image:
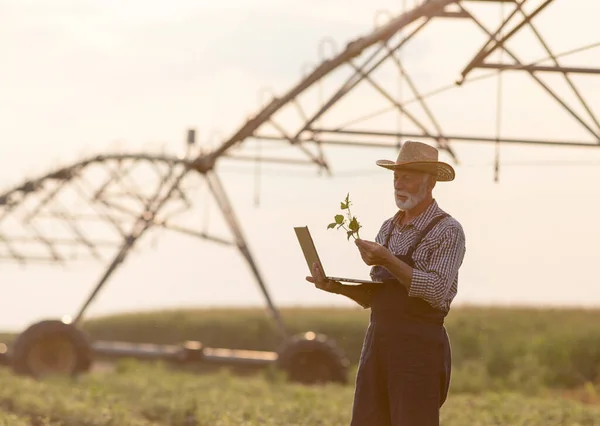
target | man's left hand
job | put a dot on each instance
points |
(373, 253)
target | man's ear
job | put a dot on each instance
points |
(432, 182)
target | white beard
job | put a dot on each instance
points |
(411, 199)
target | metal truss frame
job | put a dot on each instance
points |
(32, 202)
(37, 199)
(421, 15)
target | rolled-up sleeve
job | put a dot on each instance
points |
(433, 281)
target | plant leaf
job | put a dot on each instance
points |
(340, 220)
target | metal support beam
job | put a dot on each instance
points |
(262, 159)
(450, 14)
(460, 138)
(218, 191)
(560, 69)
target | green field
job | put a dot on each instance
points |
(510, 367)
(153, 395)
(495, 348)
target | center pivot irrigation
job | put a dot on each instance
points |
(366, 94)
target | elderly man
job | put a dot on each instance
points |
(404, 372)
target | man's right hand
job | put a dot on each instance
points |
(321, 282)
(361, 293)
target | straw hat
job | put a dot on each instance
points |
(421, 157)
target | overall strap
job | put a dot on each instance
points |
(392, 226)
(425, 231)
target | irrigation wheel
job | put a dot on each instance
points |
(311, 358)
(51, 347)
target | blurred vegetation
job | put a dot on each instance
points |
(493, 348)
(153, 394)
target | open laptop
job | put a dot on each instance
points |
(310, 254)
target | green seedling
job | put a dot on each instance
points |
(340, 221)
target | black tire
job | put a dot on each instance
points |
(311, 358)
(51, 347)
(3, 354)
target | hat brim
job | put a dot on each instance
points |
(443, 172)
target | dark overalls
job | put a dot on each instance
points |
(404, 371)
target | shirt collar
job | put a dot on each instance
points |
(421, 221)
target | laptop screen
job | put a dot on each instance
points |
(308, 247)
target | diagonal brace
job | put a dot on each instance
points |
(224, 204)
(493, 43)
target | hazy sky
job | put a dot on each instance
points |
(84, 77)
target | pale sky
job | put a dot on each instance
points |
(78, 78)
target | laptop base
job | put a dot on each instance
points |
(353, 280)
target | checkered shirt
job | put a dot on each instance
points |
(437, 258)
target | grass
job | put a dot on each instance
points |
(493, 348)
(8, 419)
(152, 394)
(510, 367)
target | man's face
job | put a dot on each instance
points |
(411, 187)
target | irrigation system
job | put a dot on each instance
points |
(103, 210)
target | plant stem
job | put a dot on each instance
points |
(346, 229)
(350, 219)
